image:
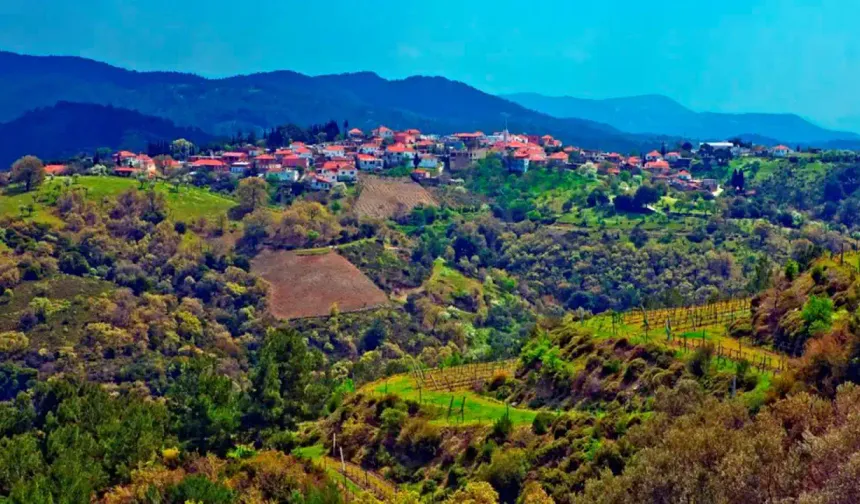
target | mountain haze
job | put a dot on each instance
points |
(656, 114)
(258, 101)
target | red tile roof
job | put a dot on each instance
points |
(55, 169)
(399, 148)
(657, 165)
(215, 163)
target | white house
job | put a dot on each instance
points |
(369, 149)
(320, 184)
(653, 156)
(428, 162)
(369, 163)
(673, 157)
(284, 174)
(780, 151)
(383, 132)
(334, 151)
(347, 173)
(399, 153)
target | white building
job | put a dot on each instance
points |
(369, 163)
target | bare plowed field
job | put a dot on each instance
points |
(382, 198)
(308, 285)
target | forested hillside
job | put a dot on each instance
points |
(561, 335)
(67, 129)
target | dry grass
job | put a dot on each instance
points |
(303, 285)
(382, 198)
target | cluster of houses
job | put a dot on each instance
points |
(429, 158)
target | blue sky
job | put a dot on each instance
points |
(799, 56)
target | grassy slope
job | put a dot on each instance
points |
(478, 409)
(187, 203)
(446, 281)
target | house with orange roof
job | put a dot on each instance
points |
(414, 132)
(319, 183)
(424, 145)
(634, 162)
(294, 161)
(658, 166)
(673, 157)
(404, 138)
(369, 149)
(471, 140)
(210, 164)
(653, 156)
(384, 133)
(283, 174)
(125, 171)
(397, 154)
(339, 171)
(355, 134)
(558, 159)
(265, 162)
(420, 174)
(428, 162)
(368, 162)
(780, 151)
(55, 169)
(234, 157)
(519, 161)
(334, 151)
(125, 158)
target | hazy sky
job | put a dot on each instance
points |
(798, 56)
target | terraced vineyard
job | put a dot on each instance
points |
(465, 377)
(689, 318)
(690, 327)
(355, 478)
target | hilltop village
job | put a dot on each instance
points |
(430, 158)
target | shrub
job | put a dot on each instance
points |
(634, 369)
(542, 422)
(13, 341)
(197, 488)
(420, 439)
(506, 473)
(502, 427)
(817, 274)
(818, 314)
(393, 420)
(700, 363)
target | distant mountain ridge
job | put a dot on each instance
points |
(257, 101)
(657, 114)
(67, 129)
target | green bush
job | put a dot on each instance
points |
(700, 363)
(506, 473)
(197, 488)
(502, 428)
(542, 422)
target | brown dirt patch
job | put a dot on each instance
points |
(308, 285)
(382, 198)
